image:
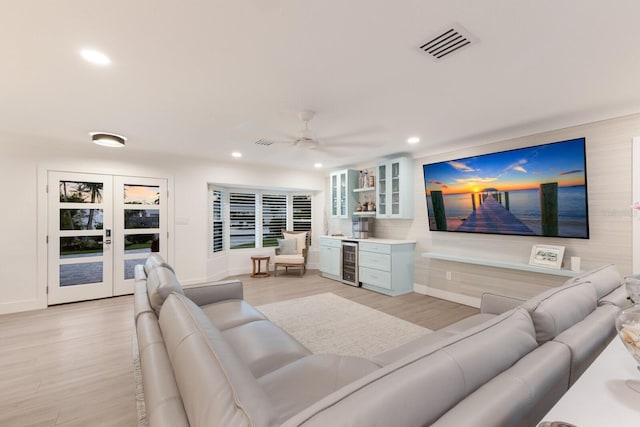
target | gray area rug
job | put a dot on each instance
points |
(327, 323)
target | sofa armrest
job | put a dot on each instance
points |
(211, 292)
(498, 304)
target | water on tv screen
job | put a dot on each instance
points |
(536, 191)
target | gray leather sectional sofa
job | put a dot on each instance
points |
(209, 358)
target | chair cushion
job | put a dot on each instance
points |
(301, 239)
(288, 259)
(161, 282)
(288, 246)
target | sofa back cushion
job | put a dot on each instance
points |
(161, 282)
(453, 368)
(216, 387)
(155, 260)
(604, 279)
(557, 309)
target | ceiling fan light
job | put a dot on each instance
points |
(108, 139)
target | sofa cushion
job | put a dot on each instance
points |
(264, 347)
(231, 313)
(518, 397)
(155, 260)
(215, 385)
(587, 338)
(557, 309)
(301, 383)
(161, 282)
(396, 394)
(604, 279)
(397, 353)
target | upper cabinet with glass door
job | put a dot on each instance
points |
(395, 189)
(343, 200)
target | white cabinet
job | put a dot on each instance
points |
(343, 200)
(395, 189)
(386, 268)
(330, 253)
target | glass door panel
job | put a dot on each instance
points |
(79, 253)
(382, 190)
(140, 226)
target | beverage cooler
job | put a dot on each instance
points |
(349, 266)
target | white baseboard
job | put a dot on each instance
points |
(446, 295)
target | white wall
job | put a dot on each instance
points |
(23, 166)
(609, 182)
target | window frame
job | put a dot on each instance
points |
(259, 197)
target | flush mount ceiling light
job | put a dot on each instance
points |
(107, 139)
(236, 154)
(95, 57)
(413, 140)
(317, 165)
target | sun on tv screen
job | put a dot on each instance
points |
(533, 191)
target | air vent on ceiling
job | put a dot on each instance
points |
(448, 42)
(263, 142)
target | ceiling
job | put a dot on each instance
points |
(208, 77)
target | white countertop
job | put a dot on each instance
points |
(600, 396)
(371, 240)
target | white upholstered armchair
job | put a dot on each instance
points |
(292, 251)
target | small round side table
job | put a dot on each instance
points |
(256, 261)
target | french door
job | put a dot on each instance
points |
(99, 228)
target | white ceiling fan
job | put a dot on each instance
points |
(305, 138)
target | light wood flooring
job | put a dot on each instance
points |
(71, 365)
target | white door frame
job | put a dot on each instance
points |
(635, 191)
(42, 217)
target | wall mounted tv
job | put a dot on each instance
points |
(535, 191)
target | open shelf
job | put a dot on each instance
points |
(365, 213)
(361, 190)
(500, 264)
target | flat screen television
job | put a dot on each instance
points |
(535, 191)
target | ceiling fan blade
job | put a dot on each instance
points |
(268, 142)
(371, 130)
(356, 144)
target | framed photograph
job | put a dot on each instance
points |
(547, 256)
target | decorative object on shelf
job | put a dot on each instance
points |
(575, 263)
(628, 327)
(372, 181)
(547, 256)
(632, 284)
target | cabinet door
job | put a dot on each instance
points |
(395, 188)
(330, 260)
(343, 194)
(334, 195)
(382, 191)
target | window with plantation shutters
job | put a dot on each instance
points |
(301, 205)
(218, 221)
(274, 218)
(242, 220)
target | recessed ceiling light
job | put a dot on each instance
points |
(317, 165)
(95, 57)
(236, 154)
(413, 140)
(108, 139)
